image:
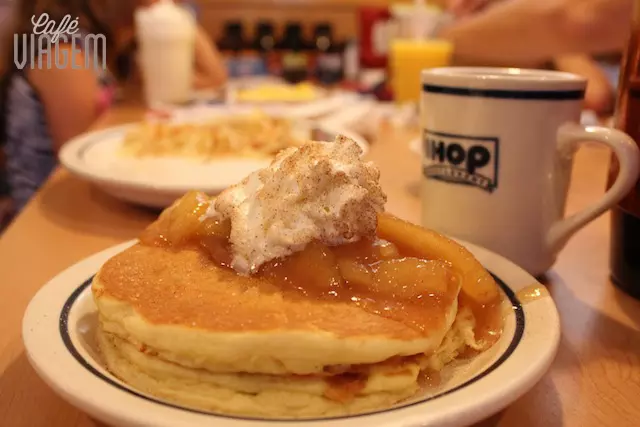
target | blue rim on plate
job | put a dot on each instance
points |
(66, 338)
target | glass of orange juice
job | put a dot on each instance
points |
(408, 57)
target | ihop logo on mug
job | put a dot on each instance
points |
(461, 159)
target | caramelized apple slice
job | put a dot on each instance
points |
(313, 270)
(215, 227)
(412, 277)
(477, 283)
(385, 249)
(362, 251)
(354, 273)
(213, 234)
(218, 249)
(155, 233)
(179, 222)
(185, 217)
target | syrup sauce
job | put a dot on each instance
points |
(532, 293)
(384, 278)
(377, 275)
(344, 387)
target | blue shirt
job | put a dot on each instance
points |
(29, 145)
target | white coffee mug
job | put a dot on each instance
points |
(498, 149)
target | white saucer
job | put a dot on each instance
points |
(59, 330)
(157, 182)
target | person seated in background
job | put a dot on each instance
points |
(600, 93)
(530, 33)
(6, 203)
(44, 107)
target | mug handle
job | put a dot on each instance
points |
(628, 156)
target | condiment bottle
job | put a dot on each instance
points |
(295, 49)
(264, 44)
(231, 45)
(375, 32)
(329, 60)
(625, 216)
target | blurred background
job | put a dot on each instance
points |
(288, 52)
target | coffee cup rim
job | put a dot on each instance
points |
(493, 78)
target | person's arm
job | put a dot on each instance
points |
(524, 32)
(69, 96)
(210, 71)
(462, 8)
(600, 93)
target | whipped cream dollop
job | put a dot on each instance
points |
(318, 191)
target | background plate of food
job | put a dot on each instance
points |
(276, 92)
(302, 100)
(154, 162)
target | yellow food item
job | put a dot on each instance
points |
(477, 283)
(250, 135)
(386, 250)
(411, 277)
(355, 273)
(316, 263)
(279, 93)
(178, 223)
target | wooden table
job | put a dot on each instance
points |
(594, 381)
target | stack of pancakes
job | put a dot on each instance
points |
(177, 326)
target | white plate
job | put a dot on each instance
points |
(59, 329)
(157, 182)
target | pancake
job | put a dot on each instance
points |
(362, 388)
(184, 309)
(255, 394)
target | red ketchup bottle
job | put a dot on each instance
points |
(375, 24)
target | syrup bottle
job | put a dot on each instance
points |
(264, 43)
(295, 58)
(625, 216)
(231, 45)
(329, 67)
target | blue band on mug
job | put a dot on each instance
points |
(540, 95)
